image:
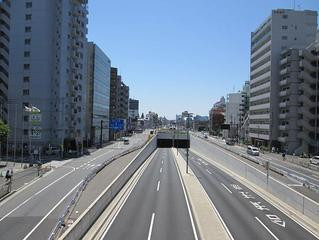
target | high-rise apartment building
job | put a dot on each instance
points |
(48, 71)
(98, 95)
(133, 108)
(282, 30)
(4, 56)
(119, 97)
(298, 100)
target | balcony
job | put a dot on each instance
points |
(282, 139)
(285, 71)
(282, 115)
(283, 104)
(261, 77)
(260, 126)
(284, 61)
(260, 106)
(282, 127)
(259, 136)
(260, 97)
(283, 93)
(283, 82)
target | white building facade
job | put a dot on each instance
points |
(282, 30)
(48, 71)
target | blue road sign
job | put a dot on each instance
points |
(117, 124)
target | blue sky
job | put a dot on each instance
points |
(180, 55)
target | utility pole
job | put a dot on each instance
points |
(187, 149)
(101, 134)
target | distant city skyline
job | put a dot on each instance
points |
(178, 55)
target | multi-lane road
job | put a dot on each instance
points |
(32, 212)
(157, 207)
(246, 215)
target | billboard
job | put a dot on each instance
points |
(117, 124)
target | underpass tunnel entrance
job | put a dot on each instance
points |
(174, 139)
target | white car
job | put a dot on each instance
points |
(314, 160)
(251, 150)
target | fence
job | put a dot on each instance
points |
(83, 223)
(301, 203)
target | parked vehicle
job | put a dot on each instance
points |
(52, 151)
(126, 141)
(314, 160)
(230, 141)
(251, 150)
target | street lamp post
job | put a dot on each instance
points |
(101, 134)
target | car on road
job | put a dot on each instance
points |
(251, 150)
(126, 141)
(314, 160)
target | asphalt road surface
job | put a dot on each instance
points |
(246, 215)
(33, 212)
(156, 208)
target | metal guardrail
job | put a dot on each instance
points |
(68, 209)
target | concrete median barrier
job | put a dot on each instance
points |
(86, 220)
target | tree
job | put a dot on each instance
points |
(142, 116)
(4, 130)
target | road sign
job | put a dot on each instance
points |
(35, 132)
(117, 124)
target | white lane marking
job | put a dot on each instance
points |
(186, 199)
(219, 216)
(226, 187)
(73, 169)
(36, 226)
(162, 162)
(161, 170)
(208, 171)
(151, 227)
(128, 194)
(258, 193)
(158, 185)
(274, 236)
(77, 168)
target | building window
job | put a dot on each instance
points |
(25, 132)
(26, 118)
(25, 92)
(284, 27)
(285, 16)
(26, 54)
(26, 66)
(28, 17)
(28, 4)
(26, 79)
(27, 41)
(27, 29)
(284, 38)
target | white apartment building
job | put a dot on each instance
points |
(285, 28)
(48, 71)
(298, 118)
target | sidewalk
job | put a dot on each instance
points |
(294, 161)
(207, 220)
